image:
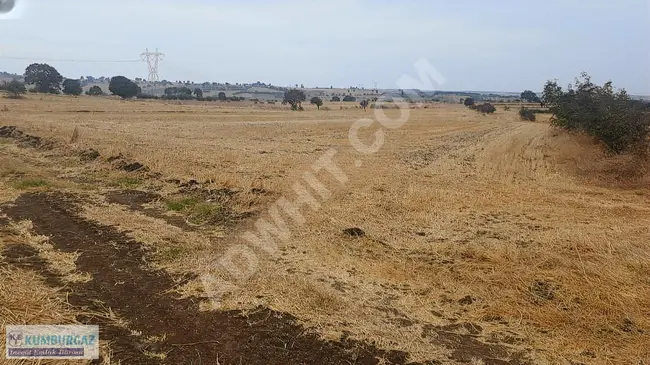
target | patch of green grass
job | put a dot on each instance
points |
(206, 212)
(196, 210)
(126, 182)
(180, 205)
(30, 183)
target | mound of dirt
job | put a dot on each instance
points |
(120, 162)
(24, 140)
(89, 155)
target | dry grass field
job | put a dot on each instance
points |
(487, 240)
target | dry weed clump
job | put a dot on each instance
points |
(580, 155)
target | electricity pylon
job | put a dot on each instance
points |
(152, 59)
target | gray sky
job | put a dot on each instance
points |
(500, 45)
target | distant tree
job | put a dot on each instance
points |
(335, 99)
(364, 104)
(486, 108)
(316, 101)
(302, 86)
(46, 78)
(462, 100)
(123, 87)
(294, 97)
(198, 93)
(95, 91)
(469, 102)
(72, 87)
(349, 98)
(222, 96)
(530, 97)
(15, 89)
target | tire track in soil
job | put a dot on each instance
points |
(122, 282)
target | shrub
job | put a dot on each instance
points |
(15, 89)
(527, 114)
(612, 117)
(364, 104)
(294, 97)
(486, 108)
(147, 96)
(317, 101)
(468, 102)
(95, 91)
(349, 98)
(72, 87)
(335, 99)
(506, 107)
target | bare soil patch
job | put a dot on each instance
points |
(182, 333)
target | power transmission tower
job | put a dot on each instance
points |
(152, 59)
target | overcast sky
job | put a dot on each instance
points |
(499, 45)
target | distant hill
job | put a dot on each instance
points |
(6, 76)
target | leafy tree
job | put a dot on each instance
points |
(72, 87)
(349, 98)
(468, 102)
(612, 117)
(294, 97)
(222, 96)
(530, 97)
(317, 101)
(123, 87)
(15, 89)
(95, 91)
(335, 99)
(364, 104)
(46, 78)
(198, 93)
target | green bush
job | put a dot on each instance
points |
(527, 114)
(612, 117)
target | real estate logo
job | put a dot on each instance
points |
(52, 342)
